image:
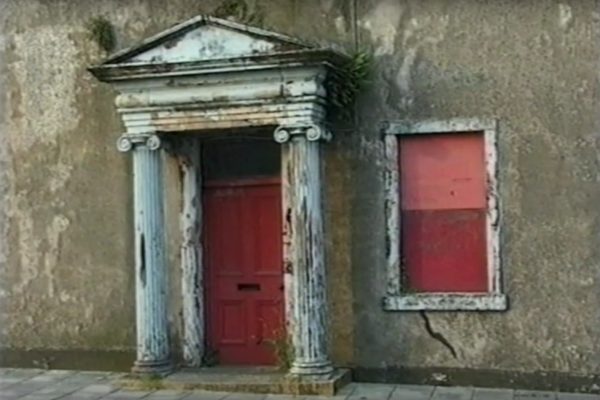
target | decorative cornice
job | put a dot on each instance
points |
(128, 141)
(264, 62)
(312, 133)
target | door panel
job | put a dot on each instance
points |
(243, 256)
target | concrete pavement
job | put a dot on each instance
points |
(34, 384)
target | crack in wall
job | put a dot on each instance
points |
(436, 335)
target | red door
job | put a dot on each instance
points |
(243, 255)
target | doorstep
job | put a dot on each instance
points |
(263, 380)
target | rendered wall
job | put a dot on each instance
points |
(66, 263)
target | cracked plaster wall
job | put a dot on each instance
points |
(66, 259)
(65, 195)
(534, 66)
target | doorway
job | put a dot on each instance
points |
(243, 249)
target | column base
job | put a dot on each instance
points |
(161, 368)
(311, 368)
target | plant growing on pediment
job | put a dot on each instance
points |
(102, 32)
(239, 11)
(344, 87)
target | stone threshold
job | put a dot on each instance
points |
(262, 380)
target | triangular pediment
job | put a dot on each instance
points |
(206, 38)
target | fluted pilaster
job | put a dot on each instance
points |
(153, 350)
(304, 246)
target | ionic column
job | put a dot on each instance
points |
(192, 286)
(150, 263)
(304, 248)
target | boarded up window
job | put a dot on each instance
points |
(443, 212)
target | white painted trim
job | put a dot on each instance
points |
(228, 101)
(452, 125)
(194, 23)
(392, 215)
(396, 299)
(446, 302)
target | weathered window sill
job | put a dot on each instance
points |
(446, 302)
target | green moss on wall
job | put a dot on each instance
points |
(102, 32)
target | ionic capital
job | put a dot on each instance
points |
(128, 141)
(312, 133)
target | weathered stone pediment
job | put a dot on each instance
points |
(208, 74)
(206, 38)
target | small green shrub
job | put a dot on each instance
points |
(283, 349)
(344, 88)
(102, 32)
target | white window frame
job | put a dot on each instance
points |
(398, 299)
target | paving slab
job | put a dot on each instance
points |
(452, 393)
(92, 392)
(577, 396)
(126, 395)
(100, 387)
(245, 396)
(167, 395)
(412, 392)
(6, 381)
(21, 372)
(343, 394)
(534, 395)
(206, 395)
(287, 397)
(51, 376)
(20, 390)
(12, 378)
(50, 386)
(371, 391)
(493, 394)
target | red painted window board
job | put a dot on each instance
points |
(443, 212)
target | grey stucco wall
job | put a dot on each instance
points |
(66, 264)
(534, 66)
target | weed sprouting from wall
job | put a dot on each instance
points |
(344, 88)
(231, 8)
(238, 10)
(102, 32)
(283, 349)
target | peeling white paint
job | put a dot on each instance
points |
(152, 327)
(206, 38)
(192, 284)
(207, 42)
(305, 247)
